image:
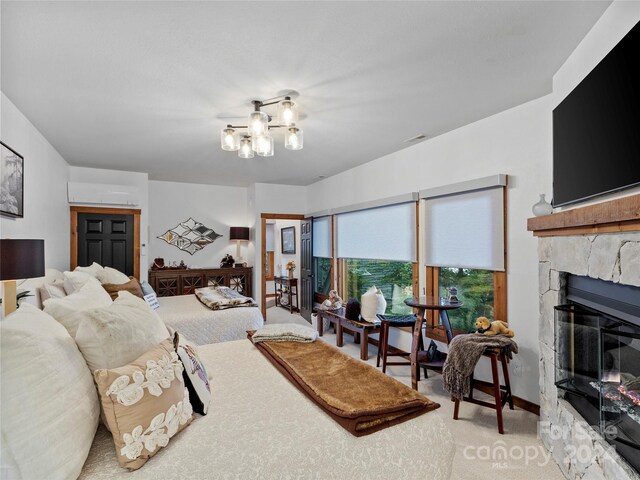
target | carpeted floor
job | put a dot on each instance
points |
(481, 452)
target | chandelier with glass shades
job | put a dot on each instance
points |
(255, 137)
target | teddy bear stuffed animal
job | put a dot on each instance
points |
(497, 327)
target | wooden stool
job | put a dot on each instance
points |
(501, 393)
(387, 321)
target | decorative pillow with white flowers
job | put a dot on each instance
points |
(145, 404)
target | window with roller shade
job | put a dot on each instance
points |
(377, 247)
(465, 230)
(464, 246)
(322, 254)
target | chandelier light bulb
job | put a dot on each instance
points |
(265, 146)
(229, 139)
(293, 139)
(258, 124)
(287, 112)
(245, 150)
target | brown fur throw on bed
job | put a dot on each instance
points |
(360, 398)
(464, 353)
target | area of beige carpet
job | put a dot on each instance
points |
(481, 452)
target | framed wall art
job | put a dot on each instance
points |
(11, 182)
(288, 236)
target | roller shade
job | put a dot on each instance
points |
(383, 233)
(465, 230)
(322, 237)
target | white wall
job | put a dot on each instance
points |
(46, 212)
(118, 177)
(215, 206)
(516, 142)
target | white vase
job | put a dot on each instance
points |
(542, 207)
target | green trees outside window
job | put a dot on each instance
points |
(475, 290)
(322, 275)
(395, 279)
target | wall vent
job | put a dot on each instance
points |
(417, 138)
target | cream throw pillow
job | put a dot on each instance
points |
(95, 270)
(33, 285)
(69, 310)
(371, 303)
(74, 281)
(145, 404)
(111, 275)
(115, 335)
(49, 402)
(52, 290)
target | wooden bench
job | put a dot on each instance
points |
(360, 329)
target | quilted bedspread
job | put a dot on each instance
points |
(260, 426)
(202, 326)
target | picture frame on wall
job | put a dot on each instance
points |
(11, 182)
(288, 236)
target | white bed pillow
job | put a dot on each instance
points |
(95, 270)
(111, 275)
(52, 290)
(74, 281)
(32, 285)
(49, 402)
(69, 310)
(116, 335)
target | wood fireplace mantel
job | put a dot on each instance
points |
(619, 215)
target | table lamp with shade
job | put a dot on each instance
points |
(18, 259)
(239, 234)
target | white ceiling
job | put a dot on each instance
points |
(143, 86)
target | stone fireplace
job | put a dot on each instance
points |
(600, 242)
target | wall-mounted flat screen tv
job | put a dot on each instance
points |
(596, 128)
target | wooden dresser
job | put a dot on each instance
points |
(170, 282)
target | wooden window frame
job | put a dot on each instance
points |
(432, 278)
(342, 279)
(435, 330)
(415, 266)
(499, 287)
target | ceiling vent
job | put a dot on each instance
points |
(417, 138)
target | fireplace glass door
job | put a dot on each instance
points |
(620, 390)
(578, 347)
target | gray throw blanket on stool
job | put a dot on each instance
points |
(464, 353)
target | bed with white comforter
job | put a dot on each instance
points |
(260, 426)
(201, 325)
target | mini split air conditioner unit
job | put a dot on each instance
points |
(100, 193)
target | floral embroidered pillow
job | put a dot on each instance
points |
(195, 375)
(145, 404)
